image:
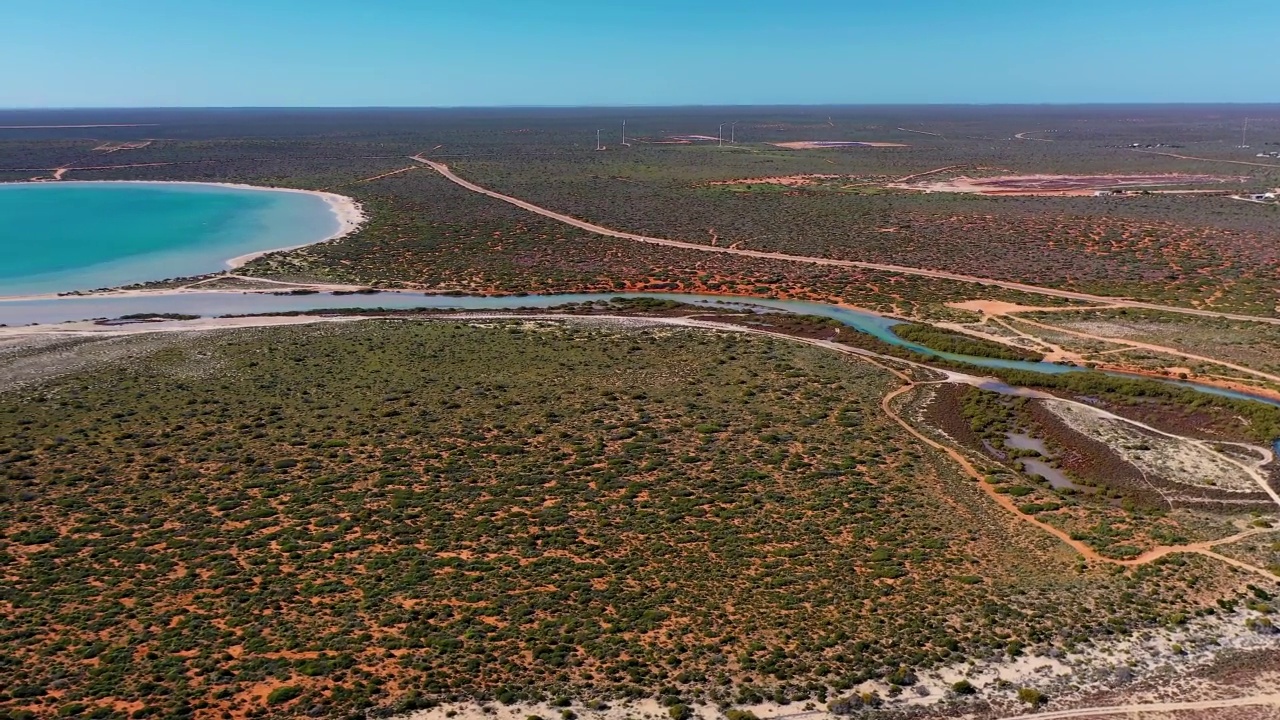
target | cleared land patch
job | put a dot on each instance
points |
(1061, 184)
(788, 180)
(828, 144)
(1175, 460)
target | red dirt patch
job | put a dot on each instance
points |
(789, 180)
(1061, 184)
(827, 144)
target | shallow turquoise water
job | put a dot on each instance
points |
(56, 237)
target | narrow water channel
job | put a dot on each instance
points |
(18, 312)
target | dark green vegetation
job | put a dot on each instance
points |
(390, 512)
(953, 342)
(1180, 408)
(1259, 421)
(1099, 498)
(157, 316)
(1176, 249)
(1251, 344)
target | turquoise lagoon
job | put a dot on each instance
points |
(57, 237)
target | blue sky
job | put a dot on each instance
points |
(85, 53)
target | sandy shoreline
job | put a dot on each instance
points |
(348, 212)
(350, 215)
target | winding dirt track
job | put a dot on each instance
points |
(1272, 699)
(1004, 501)
(1204, 159)
(1023, 136)
(900, 269)
(1148, 346)
(886, 404)
(884, 362)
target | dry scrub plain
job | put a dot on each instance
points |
(612, 520)
(387, 514)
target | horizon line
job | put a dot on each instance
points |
(1196, 103)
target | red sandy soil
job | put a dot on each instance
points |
(1173, 372)
(828, 144)
(1060, 184)
(789, 180)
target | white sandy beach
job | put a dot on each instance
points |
(350, 216)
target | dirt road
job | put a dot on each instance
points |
(885, 362)
(883, 267)
(1023, 136)
(1004, 501)
(1137, 709)
(1217, 160)
(1148, 346)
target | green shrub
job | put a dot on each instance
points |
(1031, 696)
(951, 342)
(283, 694)
(902, 676)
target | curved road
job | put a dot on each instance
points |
(900, 269)
(1005, 501)
(883, 361)
(1272, 699)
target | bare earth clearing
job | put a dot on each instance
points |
(1060, 184)
(1180, 460)
(827, 144)
(788, 180)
